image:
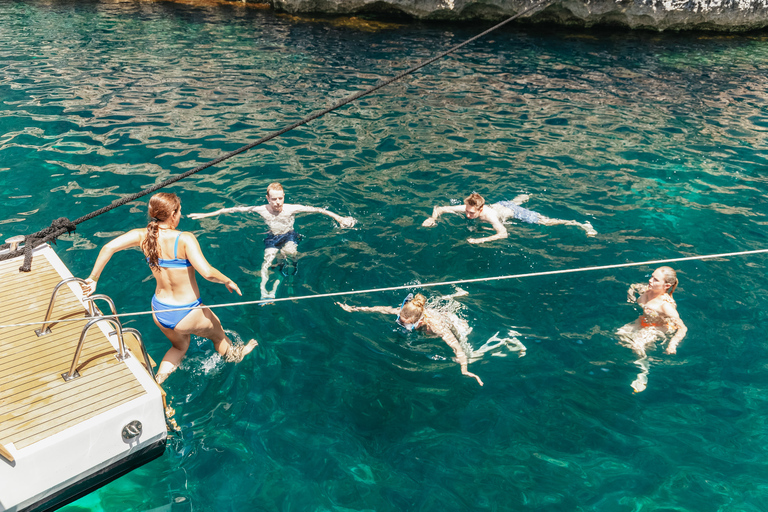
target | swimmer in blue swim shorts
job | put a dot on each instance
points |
(282, 239)
(497, 213)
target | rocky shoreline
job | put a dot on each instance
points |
(660, 15)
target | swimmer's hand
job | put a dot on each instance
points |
(671, 348)
(347, 308)
(476, 240)
(232, 287)
(470, 374)
(200, 215)
(89, 287)
(347, 222)
(460, 292)
(430, 222)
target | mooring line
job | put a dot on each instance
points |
(411, 286)
(64, 225)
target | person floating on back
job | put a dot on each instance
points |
(474, 208)
(282, 238)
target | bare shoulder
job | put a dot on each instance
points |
(135, 235)
(187, 238)
(296, 208)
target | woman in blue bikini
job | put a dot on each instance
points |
(176, 284)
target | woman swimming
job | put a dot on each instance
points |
(176, 284)
(414, 315)
(659, 318)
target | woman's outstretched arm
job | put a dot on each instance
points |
(373, 309)
(205, 269)
(448, 337)
(671, 311)
(125, 241)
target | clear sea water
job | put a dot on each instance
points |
(660, 140)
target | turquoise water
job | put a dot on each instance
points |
(660, 140)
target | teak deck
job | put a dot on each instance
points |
(35, 401)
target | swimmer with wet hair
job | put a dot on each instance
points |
(496, 214)
(659, 318)
(177, 307)
(282, 238)
(414, 314)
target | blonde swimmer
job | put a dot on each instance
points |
(415, 314)
(659, 318)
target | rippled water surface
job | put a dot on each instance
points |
(658, 139)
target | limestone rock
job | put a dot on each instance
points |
(722, 15)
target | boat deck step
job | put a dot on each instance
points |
(35, 401)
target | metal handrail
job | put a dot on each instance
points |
(92, 309)
(95, 317)
(44, 329)
(93, 321)
(147, 360)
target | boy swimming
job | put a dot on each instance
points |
(282, 238)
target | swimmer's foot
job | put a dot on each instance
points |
(161, 377)
(640, 383)
(589, 229)
(235, 354)
(521, 199)
(293, 268)
(166, 369)
(269, 295)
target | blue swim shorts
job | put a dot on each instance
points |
(279, 241)
(520, 213)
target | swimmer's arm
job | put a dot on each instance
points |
(501, 231)
(122, 242)
(636, 288)
(345, 222)
(372, 309)
(234, 209)
(437, 211)
(195, 256)
(458, 293)
(671, 312)
(461, 356)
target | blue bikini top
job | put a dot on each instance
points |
(175, 262)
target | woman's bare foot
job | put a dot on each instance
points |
(235, 354)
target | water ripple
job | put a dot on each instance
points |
(657, 139)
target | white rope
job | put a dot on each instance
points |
(411, 286)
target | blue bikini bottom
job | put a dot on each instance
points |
(170, 319)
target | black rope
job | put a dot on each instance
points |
(55, 230)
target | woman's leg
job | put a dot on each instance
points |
(172, 358)
(205, 323)
(638, 339)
